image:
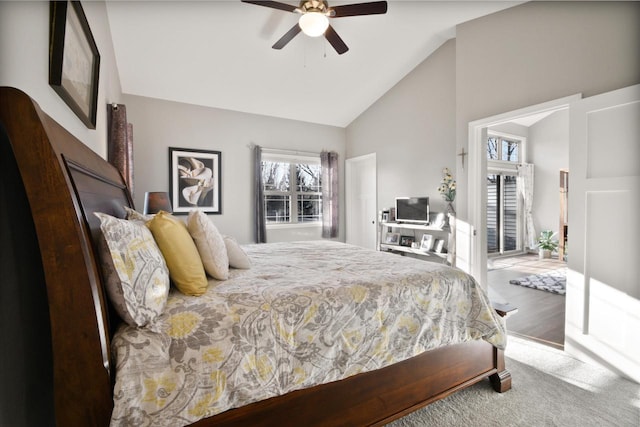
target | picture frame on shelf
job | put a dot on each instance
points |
(392, 238)
(438, 246)
(406, 240)
(195, 180)
(426, 243)
(74, 60)
(440, 220)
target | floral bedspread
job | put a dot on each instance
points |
(305, 313)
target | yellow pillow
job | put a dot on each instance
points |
(180, 253)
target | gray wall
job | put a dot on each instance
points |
(24, 64)
(549, 152)
(161, 124)
(540, 51)
(412, 130)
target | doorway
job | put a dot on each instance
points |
(479, 131)
(516, 150)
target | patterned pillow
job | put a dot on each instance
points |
(134, 215)
(237, 256)
(180, 253)
(210, 244)
(137, 279)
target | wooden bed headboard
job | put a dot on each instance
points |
(65, 182)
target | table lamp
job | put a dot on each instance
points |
(156, 201)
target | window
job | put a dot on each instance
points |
(292, 189)
(503, 149)
(504, 207)
(503, 219)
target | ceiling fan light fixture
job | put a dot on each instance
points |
(314, 24)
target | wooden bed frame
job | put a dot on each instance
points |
(64, 183)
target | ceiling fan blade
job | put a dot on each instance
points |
(371, 8)
(335, 40)
(273, 5)
(287, 37)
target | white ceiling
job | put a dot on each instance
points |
(218, 54)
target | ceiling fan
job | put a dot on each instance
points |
(314, 19)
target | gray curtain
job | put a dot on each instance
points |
(260, 228)
(329, 163)
(120, 143)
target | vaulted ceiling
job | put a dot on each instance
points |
(218, 54)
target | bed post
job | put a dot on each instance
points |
(501, 380)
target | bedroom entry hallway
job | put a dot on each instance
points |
(540, 315)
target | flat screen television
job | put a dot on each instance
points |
(412, 209)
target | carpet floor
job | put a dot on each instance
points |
(549, 388)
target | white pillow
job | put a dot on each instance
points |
(210, 244)
(136, 275)
(237, 256)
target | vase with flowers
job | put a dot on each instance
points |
(447, 190)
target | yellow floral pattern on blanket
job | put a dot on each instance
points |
(305, 313)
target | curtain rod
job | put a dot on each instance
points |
(282, 151)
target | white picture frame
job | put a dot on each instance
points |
(426, 243)
(392, 238)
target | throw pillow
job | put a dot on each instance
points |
(210, 244)
(180, 253)
(237, 256)
(135, 272)
(134, 215)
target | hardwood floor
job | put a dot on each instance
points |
(540, 314)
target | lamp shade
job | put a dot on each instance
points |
(156, 201)
(313, 24)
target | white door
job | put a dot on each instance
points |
(603, 280)
(361, 191)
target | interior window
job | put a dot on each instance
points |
(503, 149)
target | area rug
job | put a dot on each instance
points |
(551, 281)
(549, 389)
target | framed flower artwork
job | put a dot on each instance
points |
(195, 180)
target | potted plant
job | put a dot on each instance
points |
(546, 244)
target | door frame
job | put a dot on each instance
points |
(477, 161)
(350, 197)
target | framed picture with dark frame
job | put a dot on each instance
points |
(74, 61)
(406, 240)
(195, 180)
